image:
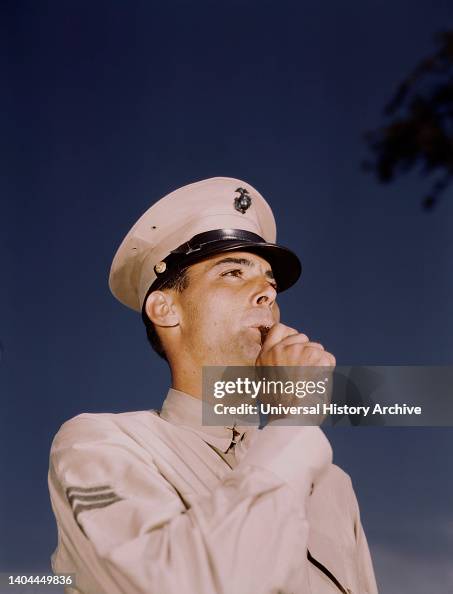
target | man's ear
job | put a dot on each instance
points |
(161, 310)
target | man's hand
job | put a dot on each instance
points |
(285, 346)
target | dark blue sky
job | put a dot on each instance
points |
(107, 106)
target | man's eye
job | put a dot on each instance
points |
(235, 272)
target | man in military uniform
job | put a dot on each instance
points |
(155, 502)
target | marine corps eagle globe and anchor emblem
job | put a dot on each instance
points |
(243, 201)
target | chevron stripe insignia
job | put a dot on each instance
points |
(85, 498)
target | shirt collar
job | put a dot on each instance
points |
(180, 408)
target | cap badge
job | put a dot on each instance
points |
(243, 201)
(160, 267)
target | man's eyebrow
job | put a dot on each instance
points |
(243, 261)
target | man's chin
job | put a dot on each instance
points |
(251, 347)
(250, 354)
(242, 357)
(241, 351)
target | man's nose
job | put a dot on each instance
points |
(265, 294)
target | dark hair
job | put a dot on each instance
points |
(179, 281)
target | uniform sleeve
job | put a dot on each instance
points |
(365, 566)
(130, 533)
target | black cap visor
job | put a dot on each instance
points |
(285, 265)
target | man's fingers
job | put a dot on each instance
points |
(306, 353)
(301, 339)
(285, 346)
(276, 334)
(314, 345)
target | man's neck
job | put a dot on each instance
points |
(187, 379)
(187, 376)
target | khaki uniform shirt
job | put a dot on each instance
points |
(156, 503)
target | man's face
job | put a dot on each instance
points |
(228, 298)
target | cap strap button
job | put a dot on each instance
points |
(160, 267)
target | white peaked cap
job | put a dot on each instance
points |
(211, 216)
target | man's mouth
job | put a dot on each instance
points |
(264, 330)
